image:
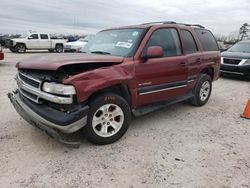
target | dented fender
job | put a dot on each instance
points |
(87, 83)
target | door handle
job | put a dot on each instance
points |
(198, 60)
(183, 64)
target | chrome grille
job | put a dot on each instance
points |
(30, 81)
(30, 88)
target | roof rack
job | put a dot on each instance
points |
(162, 22)
(171, 22)
(194, 25)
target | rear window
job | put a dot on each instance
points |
(44, 36)
(207, 40)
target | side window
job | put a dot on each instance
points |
(168, 39)
(34, 36)
(208, 41)
(44, 36)
(189, 42)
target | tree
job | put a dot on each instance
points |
(244, 31)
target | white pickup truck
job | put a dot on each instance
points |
(35, 41)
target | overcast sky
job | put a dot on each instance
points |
(57, 16)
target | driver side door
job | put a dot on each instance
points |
(162, 78)
(33, 41)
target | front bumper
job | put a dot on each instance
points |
(241, 70)
(69, 50)
(51, 122)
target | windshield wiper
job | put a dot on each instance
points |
(100, 52)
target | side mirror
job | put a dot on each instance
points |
(153, 52)
(30, 37)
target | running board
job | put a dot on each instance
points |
(159, 105)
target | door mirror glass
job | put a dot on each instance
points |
(154, 52)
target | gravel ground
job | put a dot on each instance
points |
(179, 146)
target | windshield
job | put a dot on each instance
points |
(117, 42)
(24, 36)
(240, 47)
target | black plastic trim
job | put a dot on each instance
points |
(55, 116)
(161, 86)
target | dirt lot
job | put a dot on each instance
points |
(179, 146)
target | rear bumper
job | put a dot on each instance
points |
(242, 70)
(39, 119)
(1, 55)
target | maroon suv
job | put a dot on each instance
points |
(122, 72)
(1, 53)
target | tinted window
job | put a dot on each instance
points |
(34, 36)
(207, 40)
(189, 42)
(44, 36)
(168, 39)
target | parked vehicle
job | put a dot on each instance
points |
(35, 41)
(222, 47)
(1, 53)
(123, 71)
(236, 60)
(77, 45)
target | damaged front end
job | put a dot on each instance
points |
(45, 103)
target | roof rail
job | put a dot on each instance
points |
(162, 22)
(194, 25)
(171, 22)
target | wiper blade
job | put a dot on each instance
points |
(100, 52)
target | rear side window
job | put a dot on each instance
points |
(189, 42)
(44, 36)
(208, 41)
(168, 39)
(34, 36)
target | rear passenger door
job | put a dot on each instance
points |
(44, 41)
(194, 56)
(162, 78)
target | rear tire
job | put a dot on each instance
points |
(59, 48)
(51, 50)
(20, 48)
(108, 119)
(202, 91)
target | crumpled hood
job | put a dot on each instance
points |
(55, 61)
(235, 55)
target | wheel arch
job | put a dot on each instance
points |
(120, 89)
(209, 71)
(18, 43)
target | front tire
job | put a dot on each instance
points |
(202, 91)
(108, 119)
(20, 48)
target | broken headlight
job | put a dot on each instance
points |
(61, 89)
